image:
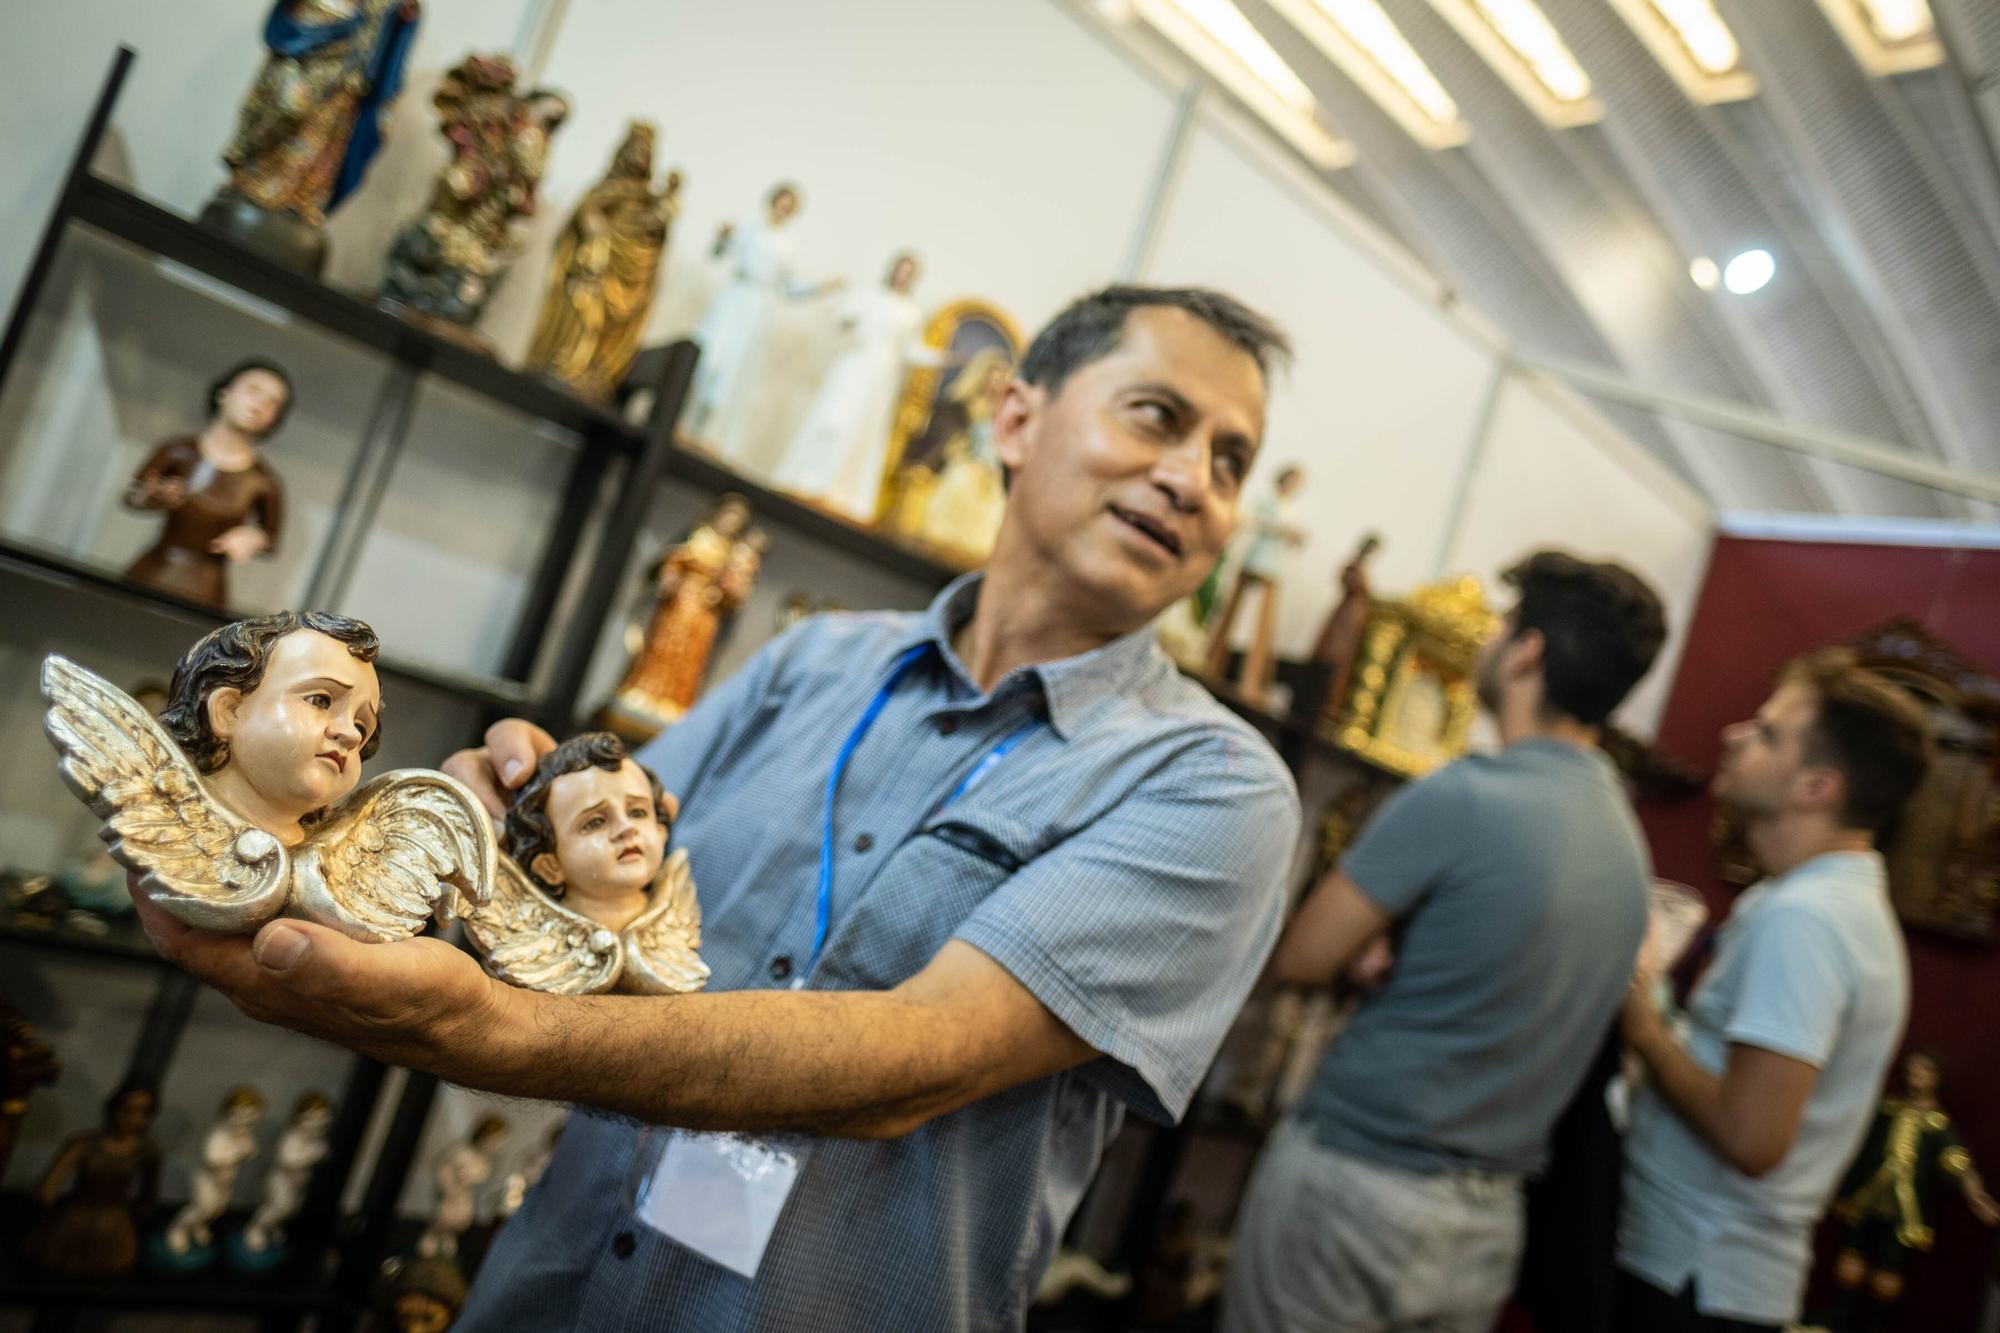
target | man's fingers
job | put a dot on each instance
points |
(514, 748)
(475, 770)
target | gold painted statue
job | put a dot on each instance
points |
(701, 583)
(241, 803)
(311, 122)
(587, 899)
(1888, 1200)
(605, 271)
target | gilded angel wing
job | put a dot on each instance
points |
(403, 848)
(196, 858)
(660, 957)
(528, 939)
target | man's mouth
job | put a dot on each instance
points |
(1152, 528)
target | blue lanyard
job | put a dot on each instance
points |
(824, 917)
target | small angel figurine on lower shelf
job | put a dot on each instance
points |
(260, 1246)
(188, 1243)
(587, 899)
(460, 1173)
(240, 804)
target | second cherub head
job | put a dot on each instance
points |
(591, 825)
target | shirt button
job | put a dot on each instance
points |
(947, 725)
(623, 1244)
(781, 967)
(863, 841)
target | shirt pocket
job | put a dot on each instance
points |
(921, 895)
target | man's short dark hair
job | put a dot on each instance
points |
(227, 380)
(1867, 728)
(1601, 628)
(235, 656)
(527, 832)
(1088, 329)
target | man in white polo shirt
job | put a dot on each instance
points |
(1739, 1135)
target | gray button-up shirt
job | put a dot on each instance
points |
(1125, 862)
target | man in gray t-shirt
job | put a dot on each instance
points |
(1743, 1127)
(1513, 887)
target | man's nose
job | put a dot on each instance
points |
(1182, 472)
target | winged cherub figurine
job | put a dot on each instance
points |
(240, 804)
(586, 899)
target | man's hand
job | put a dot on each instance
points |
(498, 768)
(418, 1002)
(1644, 1025)
(1333, 926)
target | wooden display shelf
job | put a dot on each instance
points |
(123, 939)
(55, 567)
(118, 212)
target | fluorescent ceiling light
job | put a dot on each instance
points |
(1216, 35)
(1368, 47)
(1887, 36)
(1749, 271)
(1526, 51)
(1694, 45)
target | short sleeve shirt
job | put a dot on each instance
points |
(1125, 861)
(1810, 966)
(1517, 882)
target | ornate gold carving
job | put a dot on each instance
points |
(1412, 701)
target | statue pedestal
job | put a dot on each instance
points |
(280, 238)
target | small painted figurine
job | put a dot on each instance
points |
(224, 504)
(700, 585)
(188, 1243)
(1888, 1198)
(301, 1148)
(422, 1295)
(605, 271)
(733, 330)
(587, 899)
(445, 264)
(312, 121)
(112, 1176)
(26, 1063)
(460, 1173)
(1272, 536)
(1339, 645)
(953, 501)
(241, 802)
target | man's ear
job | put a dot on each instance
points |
(1822, 787)
(1020, 403)
(547, 869)
(224, 704)
(1525, 653)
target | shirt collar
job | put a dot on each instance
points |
(1071, 686)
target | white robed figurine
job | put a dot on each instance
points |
(733, 330)
(840, 449)
(460, 1173)
(231, 1141)
(300, 1148)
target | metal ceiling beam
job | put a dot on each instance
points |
(1719, 414)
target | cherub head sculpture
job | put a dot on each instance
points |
(591, 826)
(587, 899)
(279, 712)
(241, 802)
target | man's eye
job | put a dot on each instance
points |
(1232, 465)
(1156, 412)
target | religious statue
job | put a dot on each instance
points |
(699, 584)
(260, 1246)
(224, 504)
(732, 331)
(587, 899)
(527, 1172)
(1888, 1200)
(605, 270)
(26, 1063)
(241, 804)
(444, 265)
(188, 1243)
(422, 1295)
(942, 487)
(840, 449)
(1272, 535)
(460, 1173)
(1339, 644)
(112, 1176)
(311, 123)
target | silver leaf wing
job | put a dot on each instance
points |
(660, 957)
(401, 849)
(528, 939)
(196, 858)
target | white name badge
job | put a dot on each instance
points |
(719, 1195)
